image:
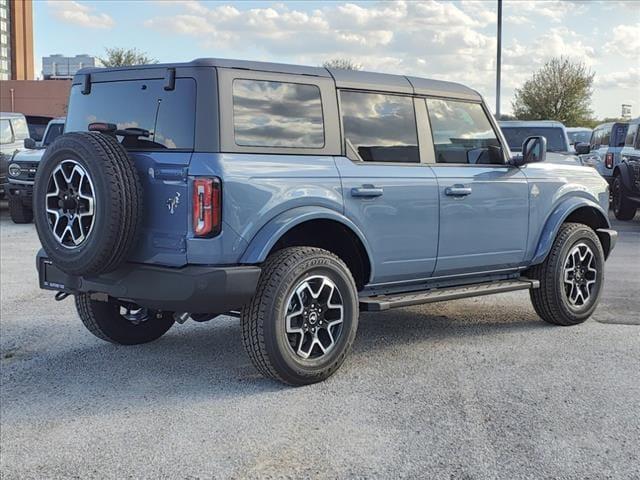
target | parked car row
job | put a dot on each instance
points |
(21, 155)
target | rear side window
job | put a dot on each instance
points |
(379, 128)
(605, 136)
(462, 133)
(277, 114)
(631, 135)
(6, 135)
(168, 116)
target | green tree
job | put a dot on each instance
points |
(121, 57)
(342, 63)
(561, 90)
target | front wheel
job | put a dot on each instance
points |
(20, 213)
(300, 324)
(623, 208)
(571, 277)
(123, 323)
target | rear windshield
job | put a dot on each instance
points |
(517, 135)
(579, 137)
(168, 116)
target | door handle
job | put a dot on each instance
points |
(457, 191)
(367, 191)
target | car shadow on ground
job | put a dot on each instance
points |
(204, 362)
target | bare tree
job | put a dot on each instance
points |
(560, 90)
(342, 63)
(120, 57)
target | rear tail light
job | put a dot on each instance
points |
(608, 160)
(207, 207)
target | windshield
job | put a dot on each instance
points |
(579, 137)
(54, 131)
(517, 135)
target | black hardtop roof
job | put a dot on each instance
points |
(351, 79)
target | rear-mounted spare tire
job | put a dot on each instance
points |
(87, 203)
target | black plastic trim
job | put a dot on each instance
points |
(193, 288)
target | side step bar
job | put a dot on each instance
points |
(385, 302)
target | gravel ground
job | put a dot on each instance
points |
(471, 389)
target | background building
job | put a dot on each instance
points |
(57, 67)
(16, 40)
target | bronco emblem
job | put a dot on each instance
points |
(173, 202)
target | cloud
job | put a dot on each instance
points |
(79, 14)
(625, 41)
(628, 79)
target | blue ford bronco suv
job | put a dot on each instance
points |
(295, 197)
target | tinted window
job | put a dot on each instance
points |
(517, 135)
(277, 114)
(631, 135)
(462, 133)
(168, 116)
(54, 131)
(605, 135)
(20, 128)
(579, 137)
(379, 128)
(6, 135)
(619, 132)
(36, 130)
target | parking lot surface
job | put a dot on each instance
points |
(471, 389)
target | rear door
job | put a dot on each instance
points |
(484, 202)
(161, 157)
(388, 192)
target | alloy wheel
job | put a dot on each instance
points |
(70, 203)
(314, 317)
(580, 274)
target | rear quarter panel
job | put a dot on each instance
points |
(255, 190)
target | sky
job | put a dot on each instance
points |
(447, 40)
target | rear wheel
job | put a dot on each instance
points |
(20, 213)
(623, 208)
(303, 318)
(122, 322)
(570, 278)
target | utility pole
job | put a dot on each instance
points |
(499, 59)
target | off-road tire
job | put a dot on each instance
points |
(263, 318)
(20, 213)
(103, 319)
(118, 194)
(623, 208)
(549, 300)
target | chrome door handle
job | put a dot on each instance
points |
(367, 191)
(457, 191)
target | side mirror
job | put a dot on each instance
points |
(30, 143)
(582, 148)
(534, 149)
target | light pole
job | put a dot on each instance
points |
(499, 59)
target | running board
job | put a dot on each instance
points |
(386, 302)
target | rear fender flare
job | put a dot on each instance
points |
(262, 243)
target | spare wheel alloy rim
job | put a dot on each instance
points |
(70, 203)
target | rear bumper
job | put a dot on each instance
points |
(193, 289)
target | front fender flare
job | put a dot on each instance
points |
(557, 218)
(262, 243)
